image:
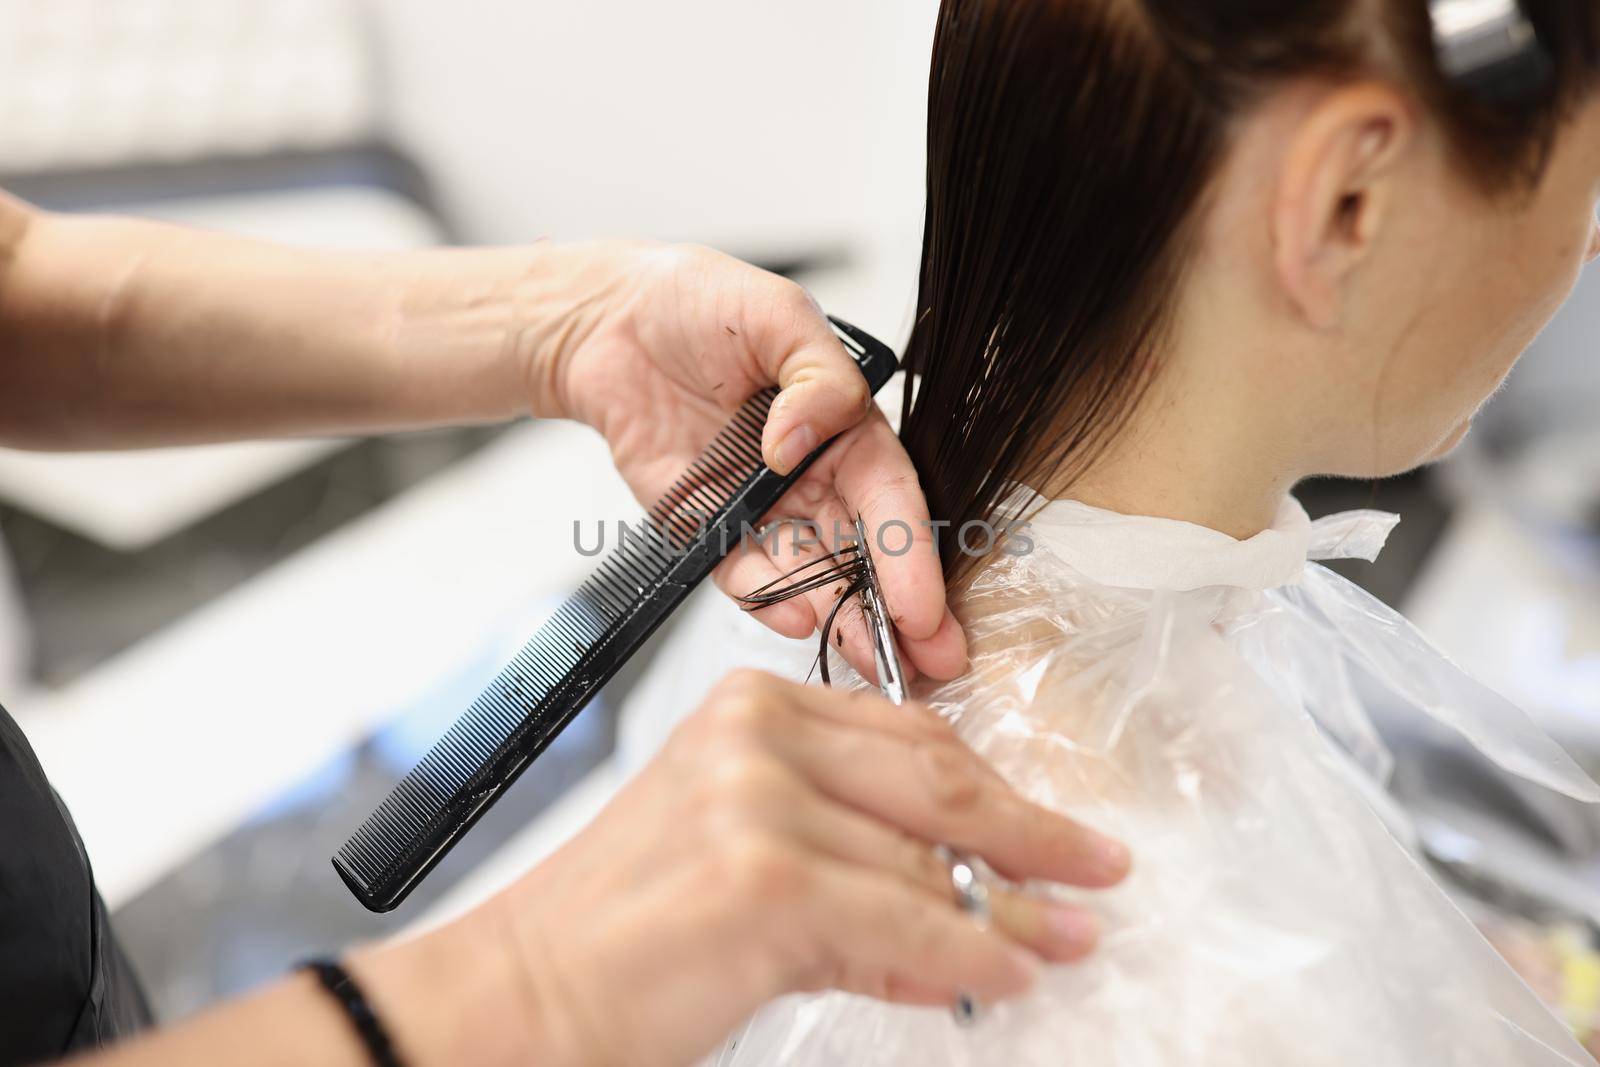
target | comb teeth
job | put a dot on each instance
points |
(646, 575)
(453, 769)
(716, 475)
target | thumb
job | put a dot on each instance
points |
(823, 395)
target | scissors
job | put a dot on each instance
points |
(972, 894)
(891, 675)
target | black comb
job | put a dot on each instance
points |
(655, 565)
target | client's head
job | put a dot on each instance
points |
(1208, 245)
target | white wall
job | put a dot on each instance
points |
(758, 126)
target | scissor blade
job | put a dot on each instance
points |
(886, 656)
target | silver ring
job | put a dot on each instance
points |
(972, 897)
(972, 892)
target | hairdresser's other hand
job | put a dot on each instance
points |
(664, 343)
(783, 841)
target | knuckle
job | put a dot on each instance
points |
(747, 720)
(856, 393)
(890, 488)
(762, 869)
(743, 685)
(749, 786)
(794, 295)
(744, 703)
(740, 682)
(954, 784)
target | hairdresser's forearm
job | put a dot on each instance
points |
(448, 998)
(122, 333)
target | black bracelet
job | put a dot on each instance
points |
(337, 981)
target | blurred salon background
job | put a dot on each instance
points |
(227, 655)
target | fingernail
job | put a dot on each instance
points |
(801, 442)
(1073, 931)
(1108, 860)
(1114, 858)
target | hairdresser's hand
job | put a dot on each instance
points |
(664, 343)
(783, 842)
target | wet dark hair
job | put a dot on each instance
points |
(1070, 145)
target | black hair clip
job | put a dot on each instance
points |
(1489, 49)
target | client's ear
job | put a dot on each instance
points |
(1334, 193)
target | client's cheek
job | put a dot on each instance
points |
(1452, 442)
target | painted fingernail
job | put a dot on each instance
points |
(1073, 931)
(801, 442)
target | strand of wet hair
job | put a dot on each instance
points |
(847, 567)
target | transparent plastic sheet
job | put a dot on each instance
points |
(1272, 918)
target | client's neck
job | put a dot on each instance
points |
(1200, 448)
(1181, 489)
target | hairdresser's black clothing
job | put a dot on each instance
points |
(65, 985)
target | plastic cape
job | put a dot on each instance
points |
(1197, 696)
